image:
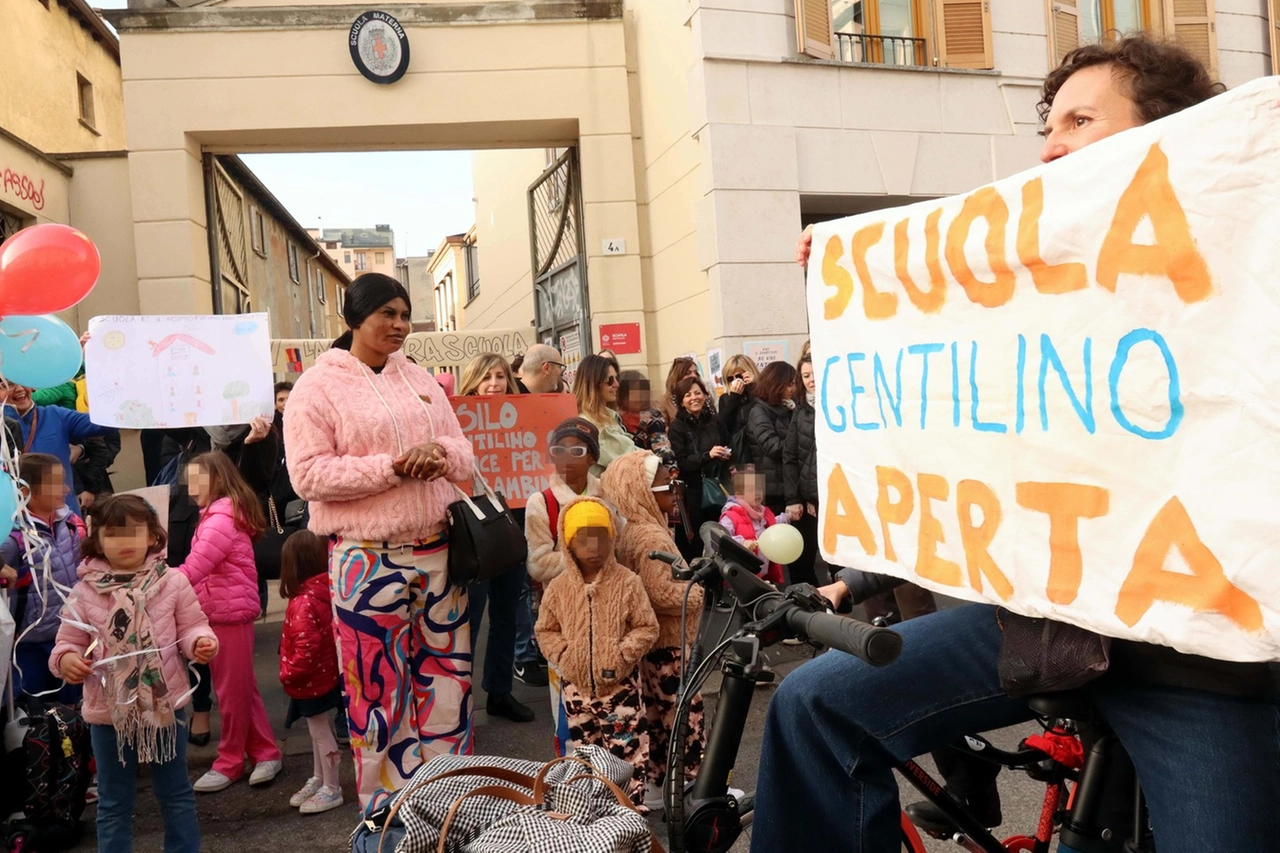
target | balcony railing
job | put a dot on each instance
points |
(882, 50)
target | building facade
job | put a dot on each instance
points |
(360, 250)
(414, 272)
(446, 273)
(268, 262)
(642, 162)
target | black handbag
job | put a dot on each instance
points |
(1044, 656)
(268, 547)
(484, 538)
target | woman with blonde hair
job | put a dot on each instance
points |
(595, 387)
(487, 373)
(740, 373)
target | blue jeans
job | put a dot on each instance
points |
(1209, 764)
(526, 646)
(502, 594)
(117, 787)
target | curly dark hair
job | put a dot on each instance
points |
(1161, 78)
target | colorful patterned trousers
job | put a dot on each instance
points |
(404, 646)
(660, 685)
(615, 721)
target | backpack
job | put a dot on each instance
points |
(49, 750)
(553, 515)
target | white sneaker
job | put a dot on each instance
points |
(213, 781)
(322, 801)
(265, 771)
(305, 792)
(737, 793)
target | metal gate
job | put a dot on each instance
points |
(10, 224)
(230, 230)
(562, 313)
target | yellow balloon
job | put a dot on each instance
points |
(781, 544)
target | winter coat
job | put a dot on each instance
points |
(37, 596)
(176, 618)
(93, 469)
(649, 431)
(345, 425)
(221, 568)
(744, 528)
(734, 410)
(691, 442)
(615, 441)
(56, 429)
(767, 434)
(308, 651)
(542, 534)
(595, 634)
(800, 458)
(626, 486)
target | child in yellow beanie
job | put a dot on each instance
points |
(595, 625)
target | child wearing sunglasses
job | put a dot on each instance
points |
(575, 447)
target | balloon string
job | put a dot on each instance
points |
(34, 333)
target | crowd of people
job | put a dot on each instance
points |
(367, 442)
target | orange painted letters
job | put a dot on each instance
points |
(843, 515)
(929, 301)
(1065, 504)
(987, 204)
(1049, 278)
(1206, 589)
(892, 511)
(977, 539)
(929, 565)
(1174, 254)
(877, 305)
(834, 275)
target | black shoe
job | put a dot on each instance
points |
(932, 820)
(531, 674)
(505, 705)
(199, 739)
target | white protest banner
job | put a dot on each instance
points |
(158, 371)
(1057, 392)
(429, 349)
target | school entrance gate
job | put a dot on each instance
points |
(239, 77)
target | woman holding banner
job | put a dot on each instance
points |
(373, 444)
(1201, 732)
(485, 375)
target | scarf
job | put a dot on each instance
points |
(137, 694)
(810, 397)
(756, 515)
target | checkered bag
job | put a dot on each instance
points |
(454, 801)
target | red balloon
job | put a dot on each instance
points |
(45, 269)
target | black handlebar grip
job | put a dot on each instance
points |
(876, 646)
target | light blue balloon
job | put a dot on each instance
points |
(8, 503)
(39, 352)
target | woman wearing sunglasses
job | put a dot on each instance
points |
(574, 448)
(596, 389)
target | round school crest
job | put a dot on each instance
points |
(379, 47)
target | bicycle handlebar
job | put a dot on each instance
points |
(876, 646)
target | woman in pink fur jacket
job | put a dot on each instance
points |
(373, 444)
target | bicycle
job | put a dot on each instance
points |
(1091, 801)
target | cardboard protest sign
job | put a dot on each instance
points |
(1056, 393)
(144, 372)
(509, 433)
(429, 349)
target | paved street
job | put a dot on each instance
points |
(259, 820)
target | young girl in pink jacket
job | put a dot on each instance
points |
(221, 569)
(127, 627)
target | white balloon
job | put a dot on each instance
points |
(781, 544)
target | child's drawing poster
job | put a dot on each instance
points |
(178, 371)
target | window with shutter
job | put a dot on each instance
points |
(1191, 23)
(964, 33)
(813, 28)
(1064, 29)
